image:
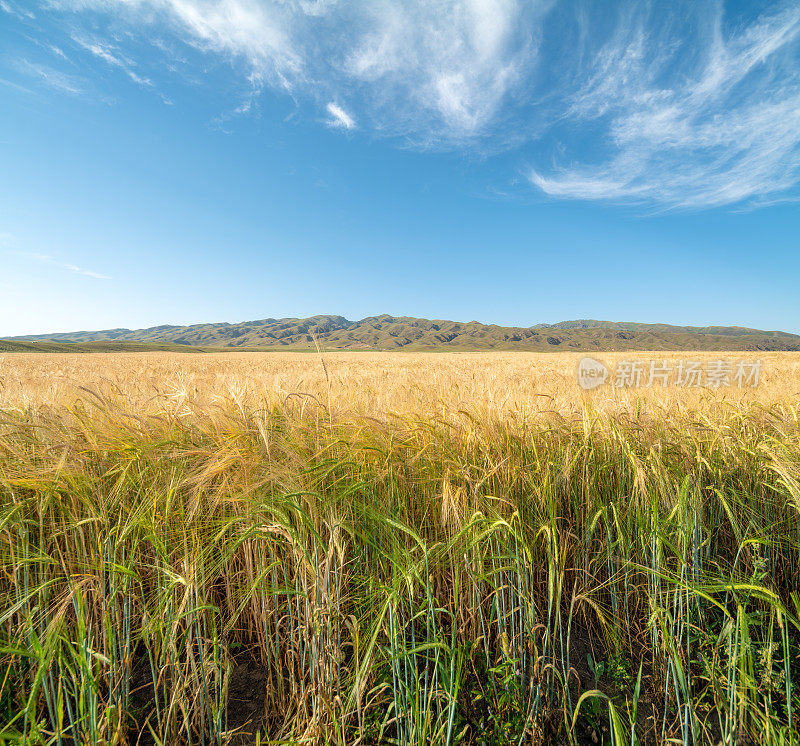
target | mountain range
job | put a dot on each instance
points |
(386, 332)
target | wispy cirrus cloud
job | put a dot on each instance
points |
(13, 9)
(443, 73)
(678, 105)
(86, 272)
(47, 259)
(436, 74)
(698, 121)
(51, 77)
(109, 55)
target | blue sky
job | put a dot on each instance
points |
(185, 161)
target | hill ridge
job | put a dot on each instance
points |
(386, 332)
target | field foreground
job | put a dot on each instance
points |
(395, 548)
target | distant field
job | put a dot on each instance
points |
(410, 548)
(7, 345)
(377, 384)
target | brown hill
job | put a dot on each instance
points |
(391, 333)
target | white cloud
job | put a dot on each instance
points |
(672, 104)
(57, 51)
(47, 259)
(51, 77)
(14, 10)
(689, 125)
(435, 72)
(255, 32)
(444, 71)
(87, 272)
(106, 53)
(339, 117)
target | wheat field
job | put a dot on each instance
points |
(363, 548)
(373, 383)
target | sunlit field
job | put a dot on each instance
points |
(375, 384)
(363, 548)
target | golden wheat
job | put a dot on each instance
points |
(394, 548)
(376, 384)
